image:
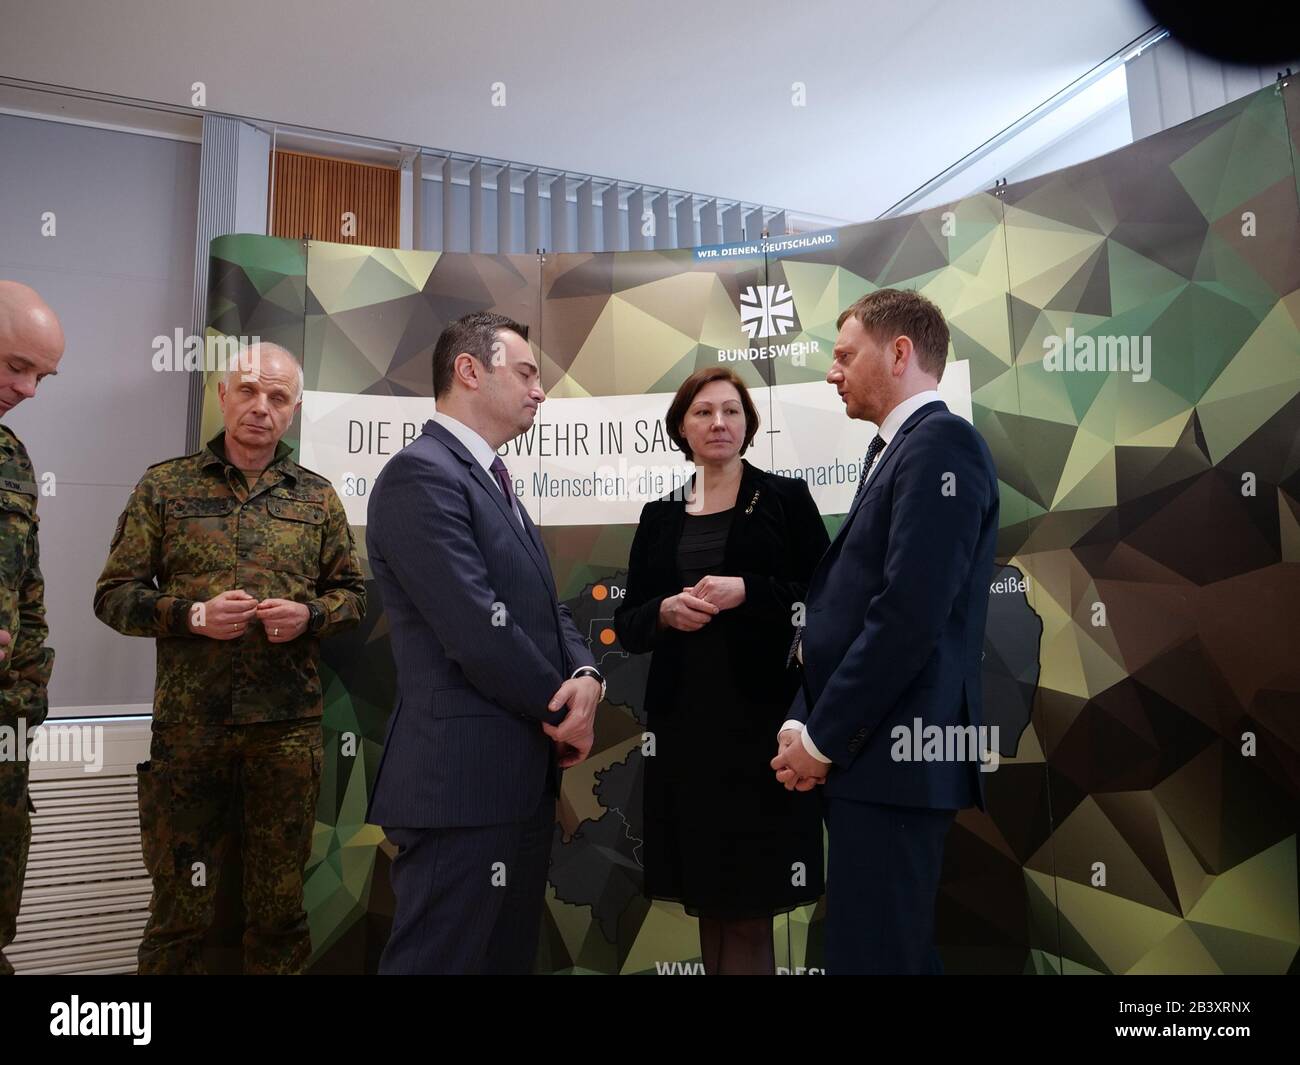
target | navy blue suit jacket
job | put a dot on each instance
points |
(895, 616)
(480, 642)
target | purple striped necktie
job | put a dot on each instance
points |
(503, 479)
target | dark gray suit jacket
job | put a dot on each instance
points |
(479, 639)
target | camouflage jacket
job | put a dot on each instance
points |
(25, 670)
(192, 530)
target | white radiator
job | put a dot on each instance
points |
(86, 896)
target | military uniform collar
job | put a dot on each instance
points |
(214, 454)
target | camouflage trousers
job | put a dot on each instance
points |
(263, 781)
(15, 839)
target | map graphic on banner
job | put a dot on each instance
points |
(598, 864)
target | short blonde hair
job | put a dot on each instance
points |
(893, 312)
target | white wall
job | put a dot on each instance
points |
(1168, 84)
(1106, 131)
(118, 273)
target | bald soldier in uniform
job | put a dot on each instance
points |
(31, 344)
(238, 562)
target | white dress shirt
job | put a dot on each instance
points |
(482, 452)
(483, 455)
(888, 430)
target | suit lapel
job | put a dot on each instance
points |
(747, 497)
(887, 457)
(534, 536)
(489, 485)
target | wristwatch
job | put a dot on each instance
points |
(590, 671)
(315, 618)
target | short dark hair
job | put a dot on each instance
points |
(686, 396)
(893, 312)
(474, 334)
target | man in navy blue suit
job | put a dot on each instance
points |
(496, 688)
(889, 716)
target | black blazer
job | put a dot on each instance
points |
(776, 539)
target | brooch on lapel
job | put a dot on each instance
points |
(750, 509)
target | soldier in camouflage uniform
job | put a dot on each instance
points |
(31, 344)
(237, 561)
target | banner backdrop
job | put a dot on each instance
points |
(1124, 335)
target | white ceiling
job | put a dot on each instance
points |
(679, 93)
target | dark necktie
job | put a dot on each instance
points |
(876, 446)
(503, 479)
(874, 449)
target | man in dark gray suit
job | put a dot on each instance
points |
(496, 689)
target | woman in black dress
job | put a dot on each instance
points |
(715, 577)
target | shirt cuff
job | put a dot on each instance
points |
(808, 744)
(811, 747)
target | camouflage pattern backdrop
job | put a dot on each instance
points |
(1140, 655)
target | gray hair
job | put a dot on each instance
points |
(247, 357)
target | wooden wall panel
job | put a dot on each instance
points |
(312, 193)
